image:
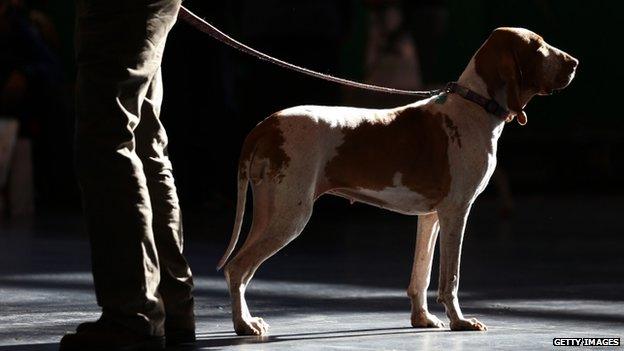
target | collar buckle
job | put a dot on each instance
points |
(492, 107)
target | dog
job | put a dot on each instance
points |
(431, 158)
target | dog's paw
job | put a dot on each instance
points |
(426, 320)
(468, 324)
(251, 326)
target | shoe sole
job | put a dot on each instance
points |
(153, 344)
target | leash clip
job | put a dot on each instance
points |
(449, 88)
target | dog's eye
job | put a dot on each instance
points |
(543, 50)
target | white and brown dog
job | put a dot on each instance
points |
(431, 158)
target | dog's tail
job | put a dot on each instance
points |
(243, 181)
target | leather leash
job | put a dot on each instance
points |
(214, 32)
(489, 105)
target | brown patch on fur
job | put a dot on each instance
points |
(510, 60)
(265, 142)
(453, 131)
(414, 143)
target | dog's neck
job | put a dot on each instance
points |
(489, 126)
(471, 80)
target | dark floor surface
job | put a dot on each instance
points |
(554, 269)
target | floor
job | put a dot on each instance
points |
(338, 288)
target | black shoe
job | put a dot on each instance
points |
(101, 335)
(90, 326)
(176, 337)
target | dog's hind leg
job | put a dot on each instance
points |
(428, 227)
(277, 220)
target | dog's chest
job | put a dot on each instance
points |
(473, 163)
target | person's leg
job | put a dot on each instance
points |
(119, 50)
(176, 281)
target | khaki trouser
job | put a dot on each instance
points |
(141, 278)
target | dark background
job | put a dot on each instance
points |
(543, 258)
(571, 147)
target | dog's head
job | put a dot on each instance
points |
(517, 64)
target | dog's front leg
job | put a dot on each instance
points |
(428, 227)
(452, 226)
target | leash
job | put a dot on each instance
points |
(489, 105)
(214, 32)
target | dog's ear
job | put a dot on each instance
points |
(511, 73)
